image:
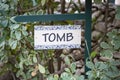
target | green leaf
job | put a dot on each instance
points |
(2, 44)
(34, 59)
(100, 65)
(117, 16)
(2, 41)
(50, 77)
(97, 1)
(73, 67)
(93, 54)
(56, 77)
(18, 73)
(107, 53)
(104, 78)
(90, 65)
(41, 69)
(14, 26)
(24, 33)
(43, 2)
(79, 77)
(67, 60)
(65, 76)
(24, 75)
(104, 45)
(115, 62)
(116, 44)
(21, 65)
(13, 43)
(18, 35)
(90, 75)
(67, 70)
(35, 78)
(34, 3)
(112, 34)
(4, 23)
(4, 6)
(72, 78)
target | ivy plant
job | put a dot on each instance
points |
(108, 69)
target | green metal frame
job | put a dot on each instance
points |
(59, 17)
(112, 1)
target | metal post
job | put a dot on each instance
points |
(112, 1)
(88, 22)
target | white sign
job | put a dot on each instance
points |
(57, 37)
(117, 2)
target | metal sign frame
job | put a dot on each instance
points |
(59, 17)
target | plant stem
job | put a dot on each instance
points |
(115, 77)
(62, 6)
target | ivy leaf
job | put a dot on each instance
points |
(104, 45)
(13, 43)
(4, 6)
(97, 1)
(90, 65)
(115, 62)
(21, 65)
(24, 33)
(116, 44)
(112, 34)
(43, 2)
(14, 26)
(34, 59)
(67, 70)
(18, 73)
(4, 23)
(35, 78)
(18, 35)
(73, 67)
(100, 65)
(93, 54)
(79, 77)
(65, 76)
(41, 69)
(90, 75)
(67, 60)
(56, 77)
(2, 41)
(107, 54)
(117, 16)
(34, 3)
(104, 78)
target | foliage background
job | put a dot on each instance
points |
(19, 60)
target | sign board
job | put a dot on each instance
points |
(57, 37)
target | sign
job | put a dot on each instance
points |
(117, 2)
(57, 37)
